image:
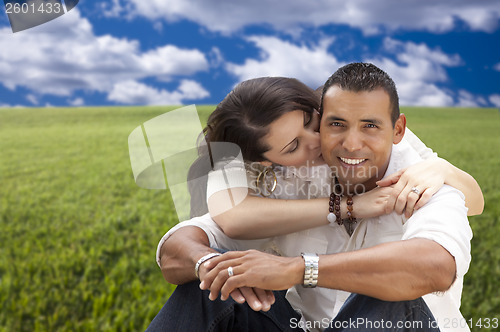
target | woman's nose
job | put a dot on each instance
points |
(313, 140)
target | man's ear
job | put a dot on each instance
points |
(399, 129)
(265, 163)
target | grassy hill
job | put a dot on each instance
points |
(78, 237)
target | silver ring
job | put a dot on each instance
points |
(415, 190)
(230, 271)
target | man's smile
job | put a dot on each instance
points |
(352, 161)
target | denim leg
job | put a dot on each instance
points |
(364, 313)
(190, 309)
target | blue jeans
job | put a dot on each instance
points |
(364, 313)
(189, 309)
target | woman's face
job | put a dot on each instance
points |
(294, 140)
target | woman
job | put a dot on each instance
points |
(275, 123)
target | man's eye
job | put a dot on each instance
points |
(307, 118)
(371, 125)
(336, 124)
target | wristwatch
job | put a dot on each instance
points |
(311, 269)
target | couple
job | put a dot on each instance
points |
(376, 263)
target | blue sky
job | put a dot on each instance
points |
(157, 52)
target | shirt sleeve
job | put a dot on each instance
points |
(419, 146)
(444, 220)
(227, 176)
(204, 222)
(232, 182)
(216, 237)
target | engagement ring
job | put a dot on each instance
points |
(415, 190)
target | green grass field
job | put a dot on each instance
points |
(78, 237)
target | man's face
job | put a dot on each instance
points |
(357, 136)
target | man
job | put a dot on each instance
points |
(392, 258)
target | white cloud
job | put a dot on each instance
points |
(132, 92)
(497, 67)
(65, 55)
(216, 57)
(113, 10)
(190, 89)
(32, 99)
(495, 100)
(467, 99)
(417, 69)
(417, 72)
(12, 106)
(76, 102)
(370, 16)
(312, 65)
(158, 26)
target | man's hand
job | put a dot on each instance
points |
(258, 299)
(251, 268)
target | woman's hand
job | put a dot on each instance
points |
(427, 177)
(373, 203)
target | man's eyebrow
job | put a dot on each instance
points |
(289, 144)
(374, 121)
(334, 118)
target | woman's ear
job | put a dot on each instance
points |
(399, 129)
(266, 163)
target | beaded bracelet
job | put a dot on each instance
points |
(352, 220)
(334, 209)
(350, 208)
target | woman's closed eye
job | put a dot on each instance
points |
(295, 147)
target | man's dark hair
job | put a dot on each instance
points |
(359, 77)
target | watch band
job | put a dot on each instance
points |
(311, 269)
(203, 260)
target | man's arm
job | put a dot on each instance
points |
(179, 254)
(181, 251)
(395, 271)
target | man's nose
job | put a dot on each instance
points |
(352, 141)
